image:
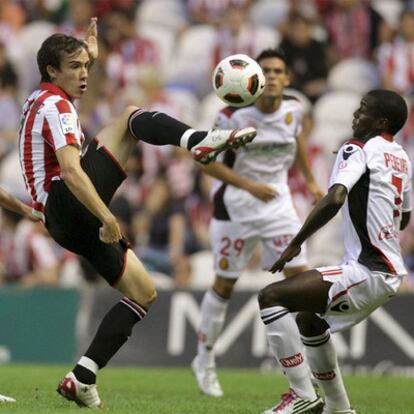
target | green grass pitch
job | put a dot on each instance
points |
(173, 391)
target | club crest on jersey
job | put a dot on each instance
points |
(348, 151)
(67, 122)
(223, 263)
(288, 118)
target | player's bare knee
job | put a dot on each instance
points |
(144, 298)
(152, 298)
(310, 325)
(270, 296)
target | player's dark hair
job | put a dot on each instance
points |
(272, 53)
(392, 106)
(52, 51)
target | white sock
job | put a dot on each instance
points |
(89, 364)
(213, 313)
(184, 138)
(284, 340)
(323, 362)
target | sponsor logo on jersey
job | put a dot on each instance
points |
(292, 361)
(67, 122)
(324, 376)
(388, 232)
(224, 263)
(348, 151)
(288, 118)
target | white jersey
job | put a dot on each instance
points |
(266, 159)
(377, 175)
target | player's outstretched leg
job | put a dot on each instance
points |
(3, 398)
(160, 129)
(323, 362)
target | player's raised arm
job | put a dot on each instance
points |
(91, 40)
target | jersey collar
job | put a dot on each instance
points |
(387, 136)
(47, 86)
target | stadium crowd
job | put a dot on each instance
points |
(159, 54)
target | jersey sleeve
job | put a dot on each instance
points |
(407, 192)
(349, 166)
(60, 126)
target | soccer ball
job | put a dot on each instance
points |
(238, 80)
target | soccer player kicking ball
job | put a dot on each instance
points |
(371, 182)
(252, 202)
(71, 185)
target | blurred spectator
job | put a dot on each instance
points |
(12, 15)
(161, 234)
(128, 48)
(80, 13)
(199, 210)
(105, 7)
(353, 27)
(135, 188)
(27, 252)
(305, 56)
(210, 11)
(9, 107)
(235, 34)
(164, 226)
(121, 209)
(396, 58)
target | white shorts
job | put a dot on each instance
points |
(233, 244)
(356, 292)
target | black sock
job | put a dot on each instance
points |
(195, 138)
(84, 375)
(113, 332)
(158, 128)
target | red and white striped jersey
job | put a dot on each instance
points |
(377, 175)
(49, 121)
(397, 60)
(26, 250)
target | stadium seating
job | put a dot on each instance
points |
(354, 75)
(167, 13)
(186, 102)
(163, 38)
(210, 105)
(333, 119)
(269, 12)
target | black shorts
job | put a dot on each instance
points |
(75, 228)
